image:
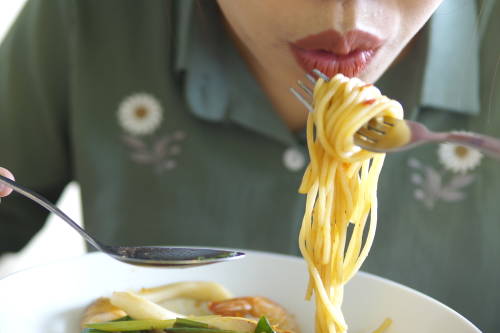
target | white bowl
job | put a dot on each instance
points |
(50, 298)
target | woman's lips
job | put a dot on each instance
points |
(333, 53)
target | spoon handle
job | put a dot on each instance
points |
(39, 199)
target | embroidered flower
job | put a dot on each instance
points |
(458, 158)
(433, 185)
(161, 152)
(140, 114)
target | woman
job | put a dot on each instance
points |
(176, 120)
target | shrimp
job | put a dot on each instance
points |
(256, 307)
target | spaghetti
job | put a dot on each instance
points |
(340, 183)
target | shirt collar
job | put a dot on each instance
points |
(218, 84)
(183, 11)
(451, 75)
(219, 87)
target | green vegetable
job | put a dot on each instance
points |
(179, 325)
(181, 322)
(190, 326)
(196, 330)
(263, 326)
(132, 325)
(91, 330)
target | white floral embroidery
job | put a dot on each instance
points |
(140, 114)
(161, 153)
(432, 186)
(458, 158)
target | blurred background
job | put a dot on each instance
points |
(42, 248)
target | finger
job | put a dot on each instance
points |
(5, 190)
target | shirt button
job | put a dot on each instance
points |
(294, 159)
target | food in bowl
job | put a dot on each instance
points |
(194, 306)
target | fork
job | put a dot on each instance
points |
(388, 134)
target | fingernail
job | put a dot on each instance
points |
(2, 187)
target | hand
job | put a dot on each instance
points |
(4, 190)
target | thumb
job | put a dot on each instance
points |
(5, 190)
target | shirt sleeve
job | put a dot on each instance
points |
(34, 99)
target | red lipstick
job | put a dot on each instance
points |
(333, 53)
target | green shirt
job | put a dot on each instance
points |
(149, 107)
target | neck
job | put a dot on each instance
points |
(276, 87)
(293, 113)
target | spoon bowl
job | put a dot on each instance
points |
(171, 255)
(160, 256)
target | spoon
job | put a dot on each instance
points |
(165, 256)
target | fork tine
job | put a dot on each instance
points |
(388, 123)
(376, 129)
(308, 91)
(321, 74)
(311, 78)
(363, 140)
(367, 134)
(382, 124)
(302, 99)
(305, 88)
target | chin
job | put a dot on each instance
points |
(376, 69)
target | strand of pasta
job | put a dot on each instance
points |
(340, 182)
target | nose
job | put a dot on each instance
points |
(344, 14)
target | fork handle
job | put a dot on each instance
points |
(487, 144)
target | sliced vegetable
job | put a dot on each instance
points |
(179, 325)
(182, 322)
(140, 308)
(91, 330)
(132, 325)
(101, 310)
(237, 324)
(198, 290)
(197, 330)
(263, 326)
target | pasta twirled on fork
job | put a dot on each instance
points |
(341, 187)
